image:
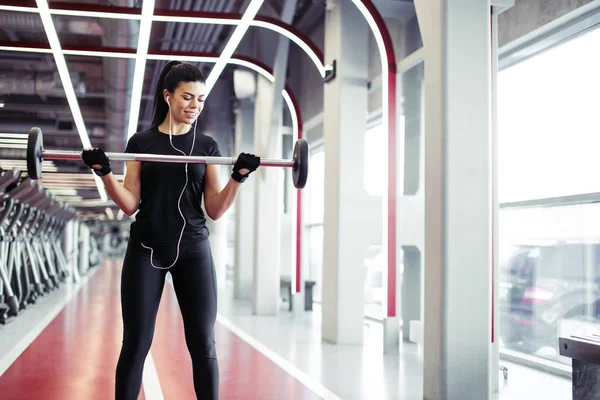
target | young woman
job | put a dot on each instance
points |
(169, 233)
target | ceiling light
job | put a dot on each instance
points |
(283, 30)
(19, 9)
(24, 49)
(13, 141)
(232, 43)
(65, 77)
(294, 116)
(164, 57)
(13, 146)
(109, 213)
(140, 66)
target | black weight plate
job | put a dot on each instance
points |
(35, 152)
(300, 159)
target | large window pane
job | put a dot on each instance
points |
(548, 122)
(549, 276)
(548, 140)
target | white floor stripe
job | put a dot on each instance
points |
(152, 388)
(280, 361)
(43, 312)
(284, 364)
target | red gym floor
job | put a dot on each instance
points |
(75, 356)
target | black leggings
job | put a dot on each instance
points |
(195, 286)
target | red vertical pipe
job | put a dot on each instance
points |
(392, 155)
(392, 191)
(298, 201)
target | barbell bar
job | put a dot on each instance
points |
(36, 155)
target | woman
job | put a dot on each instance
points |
(169, 233)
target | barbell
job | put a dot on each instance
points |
(36, 154)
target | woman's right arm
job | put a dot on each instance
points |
(126, 196)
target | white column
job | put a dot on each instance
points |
(244, 206)
(265, 296)
(347, 209)
(411, 205)
(269, 186)
(218, 238)
(458, 198)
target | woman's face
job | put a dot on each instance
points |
(187, 101)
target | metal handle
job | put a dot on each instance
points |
(76, 155)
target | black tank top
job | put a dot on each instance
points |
(158, 220)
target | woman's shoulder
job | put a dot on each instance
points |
(141, 135)
(208, 144)
(204, 138)
(141, 139)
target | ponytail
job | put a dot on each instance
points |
(173, 73)
(161, 107)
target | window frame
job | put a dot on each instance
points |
(554, 34)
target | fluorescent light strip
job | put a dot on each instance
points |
(64, 176)
(61, 186)
(68, 184)
(12, 146)
(65, 192)
(140, 65)
(104, 54)
(179, 19)
(19, 9)
(26, 49)
(13, 141)
(193, 20)
(258, 24)
(68, 199)
(95, 14)
(311, 54)
(63, 71)
(232, 43)
(109, 213)
(166, 57)
(293, 114)
(23, 163)
(254, 67)
(14, 135)
(65, 78)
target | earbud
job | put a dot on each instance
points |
(168, 102)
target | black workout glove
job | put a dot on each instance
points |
(96, 157)
(244, 161)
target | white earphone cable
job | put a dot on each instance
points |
(180, 195)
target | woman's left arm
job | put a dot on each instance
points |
(216, 200)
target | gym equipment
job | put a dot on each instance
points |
(32, 262)
(36, 154)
